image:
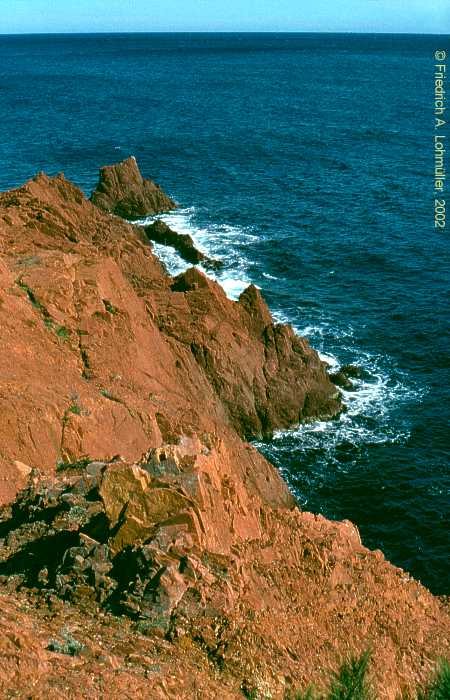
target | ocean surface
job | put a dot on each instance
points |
(305, 162)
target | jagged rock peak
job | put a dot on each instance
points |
(122, 190)
(252, 301)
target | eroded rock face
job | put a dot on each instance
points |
(160, 232)
(123, 191)
(134, 538)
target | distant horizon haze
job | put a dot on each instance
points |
(218, 16)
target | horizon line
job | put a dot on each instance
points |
(253, 31)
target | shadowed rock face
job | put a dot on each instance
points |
(250, 361)
(124, 398)
(123, 191)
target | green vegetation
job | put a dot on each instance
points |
(79, 464)
(62, 332)
(439, 686)
(249, 693)
(109, 307)
(107, 394)
(69, 645)
(35, 303)
(351, 682)
(87, 370)
(309, 694)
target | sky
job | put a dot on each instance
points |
(35, 16)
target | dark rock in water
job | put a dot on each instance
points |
(212, 265)
(341, 380)
(345, 374)
(354, 372)
(160, 232)
(123, 191)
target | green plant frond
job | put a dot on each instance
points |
(439, 686)
(309, 694)
(351, 683)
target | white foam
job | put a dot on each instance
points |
(215, 241)
(173, 262)
(368, 418)
(331, 360)
(233, 287)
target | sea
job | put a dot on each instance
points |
(305, 163)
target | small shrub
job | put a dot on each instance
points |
(69, 645)
(62, 332)
(249, 692)
(35, 303)
(109, 307)
(309, 694)
(107, 394)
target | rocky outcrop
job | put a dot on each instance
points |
(123, 191)
(160, 232)
(280, 382)
(341, 380)
(128, 488)
(161, 543)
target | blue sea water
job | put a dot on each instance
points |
(304, 161)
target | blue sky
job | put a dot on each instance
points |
(422, 16)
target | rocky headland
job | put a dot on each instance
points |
(147, 550)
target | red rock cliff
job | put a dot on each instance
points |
(141, 389)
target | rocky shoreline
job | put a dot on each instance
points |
(132, 500)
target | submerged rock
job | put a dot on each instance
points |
(123, 191)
